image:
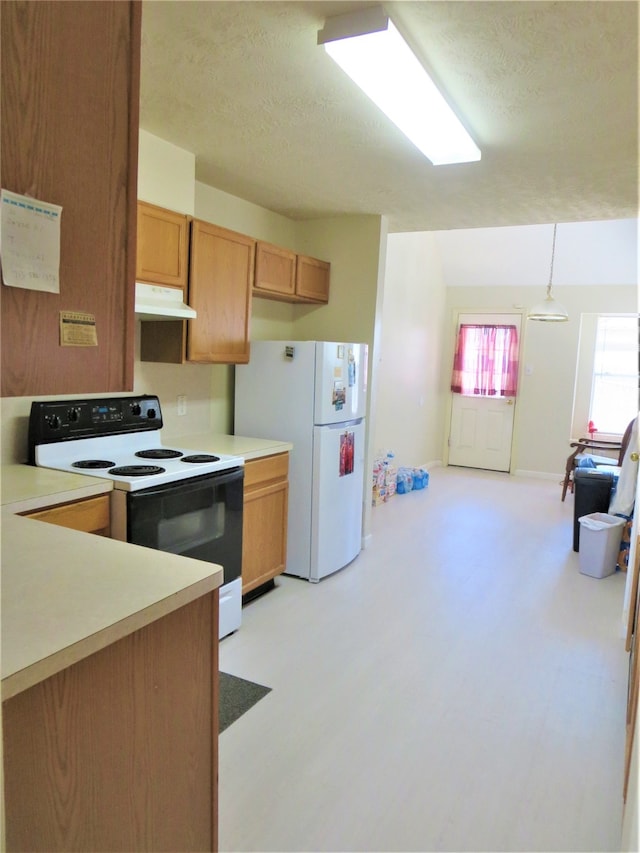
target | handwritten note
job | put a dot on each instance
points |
(30, 242)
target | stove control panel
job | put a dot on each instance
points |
(63, 420)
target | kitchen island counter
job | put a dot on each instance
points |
(109, 681)
(67, 594)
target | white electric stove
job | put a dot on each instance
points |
(168, 498)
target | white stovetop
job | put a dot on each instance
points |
(120, 450)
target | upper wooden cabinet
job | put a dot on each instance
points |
(163, 246)
(312, 279)
(220, 277)
(287, 277)
(70, 103)
(275, 271)
(221, 267)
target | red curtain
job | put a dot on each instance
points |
(486, 361)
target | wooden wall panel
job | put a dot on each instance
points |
(119, 751)
(70, 105)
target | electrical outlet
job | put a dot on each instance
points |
(182, 404)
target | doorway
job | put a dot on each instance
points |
(483, 403)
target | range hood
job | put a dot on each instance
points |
(161, 303)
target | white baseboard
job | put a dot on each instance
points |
(434, 463)
(539, 475)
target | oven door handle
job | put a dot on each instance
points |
(176, 487)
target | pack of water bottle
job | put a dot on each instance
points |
(411, 479)
(384, 477)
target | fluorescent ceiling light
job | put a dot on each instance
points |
(368, 47)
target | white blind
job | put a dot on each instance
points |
(614, 393)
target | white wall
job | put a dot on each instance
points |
(549, 352)
(411, 397)
(166, 174)
(587, 253)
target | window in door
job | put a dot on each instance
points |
(486, 361)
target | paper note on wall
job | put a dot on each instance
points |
(77, 329)
(30, 242)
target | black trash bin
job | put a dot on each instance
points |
(592, 493)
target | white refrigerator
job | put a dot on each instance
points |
(312, 394)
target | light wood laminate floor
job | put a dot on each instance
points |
(459, 686)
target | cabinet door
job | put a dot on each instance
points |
(90, 515)
(70, 103)
(162, 254)
(312, 279)
(275, 270)
(264, 531)
(220, 279)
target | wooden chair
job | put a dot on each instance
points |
(587, 446)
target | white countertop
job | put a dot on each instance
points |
(26, 488)
(67, 594)
(235, 445)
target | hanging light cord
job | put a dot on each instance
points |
(553, 254)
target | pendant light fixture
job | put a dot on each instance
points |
(549, 311)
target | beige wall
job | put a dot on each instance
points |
(549, 355)
(351, 243)
(166, 177)
(356, 247)
(411, 399)
(228, 211)
(166, 174)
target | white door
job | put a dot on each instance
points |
(481, 428)
(338, 482)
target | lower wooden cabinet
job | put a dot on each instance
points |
(264, 532)
(91, 515)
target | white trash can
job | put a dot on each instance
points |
(600, 535)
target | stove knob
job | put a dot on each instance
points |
(135, 409)
(54, 422)
(151, 414)
(73, 414)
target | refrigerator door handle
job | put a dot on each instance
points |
(342, 424)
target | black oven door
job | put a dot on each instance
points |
(200, 517)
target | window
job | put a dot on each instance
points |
(486, 361)
(614, 390)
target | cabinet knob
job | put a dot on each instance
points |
(635, 456)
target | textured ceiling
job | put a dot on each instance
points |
(548, 90)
